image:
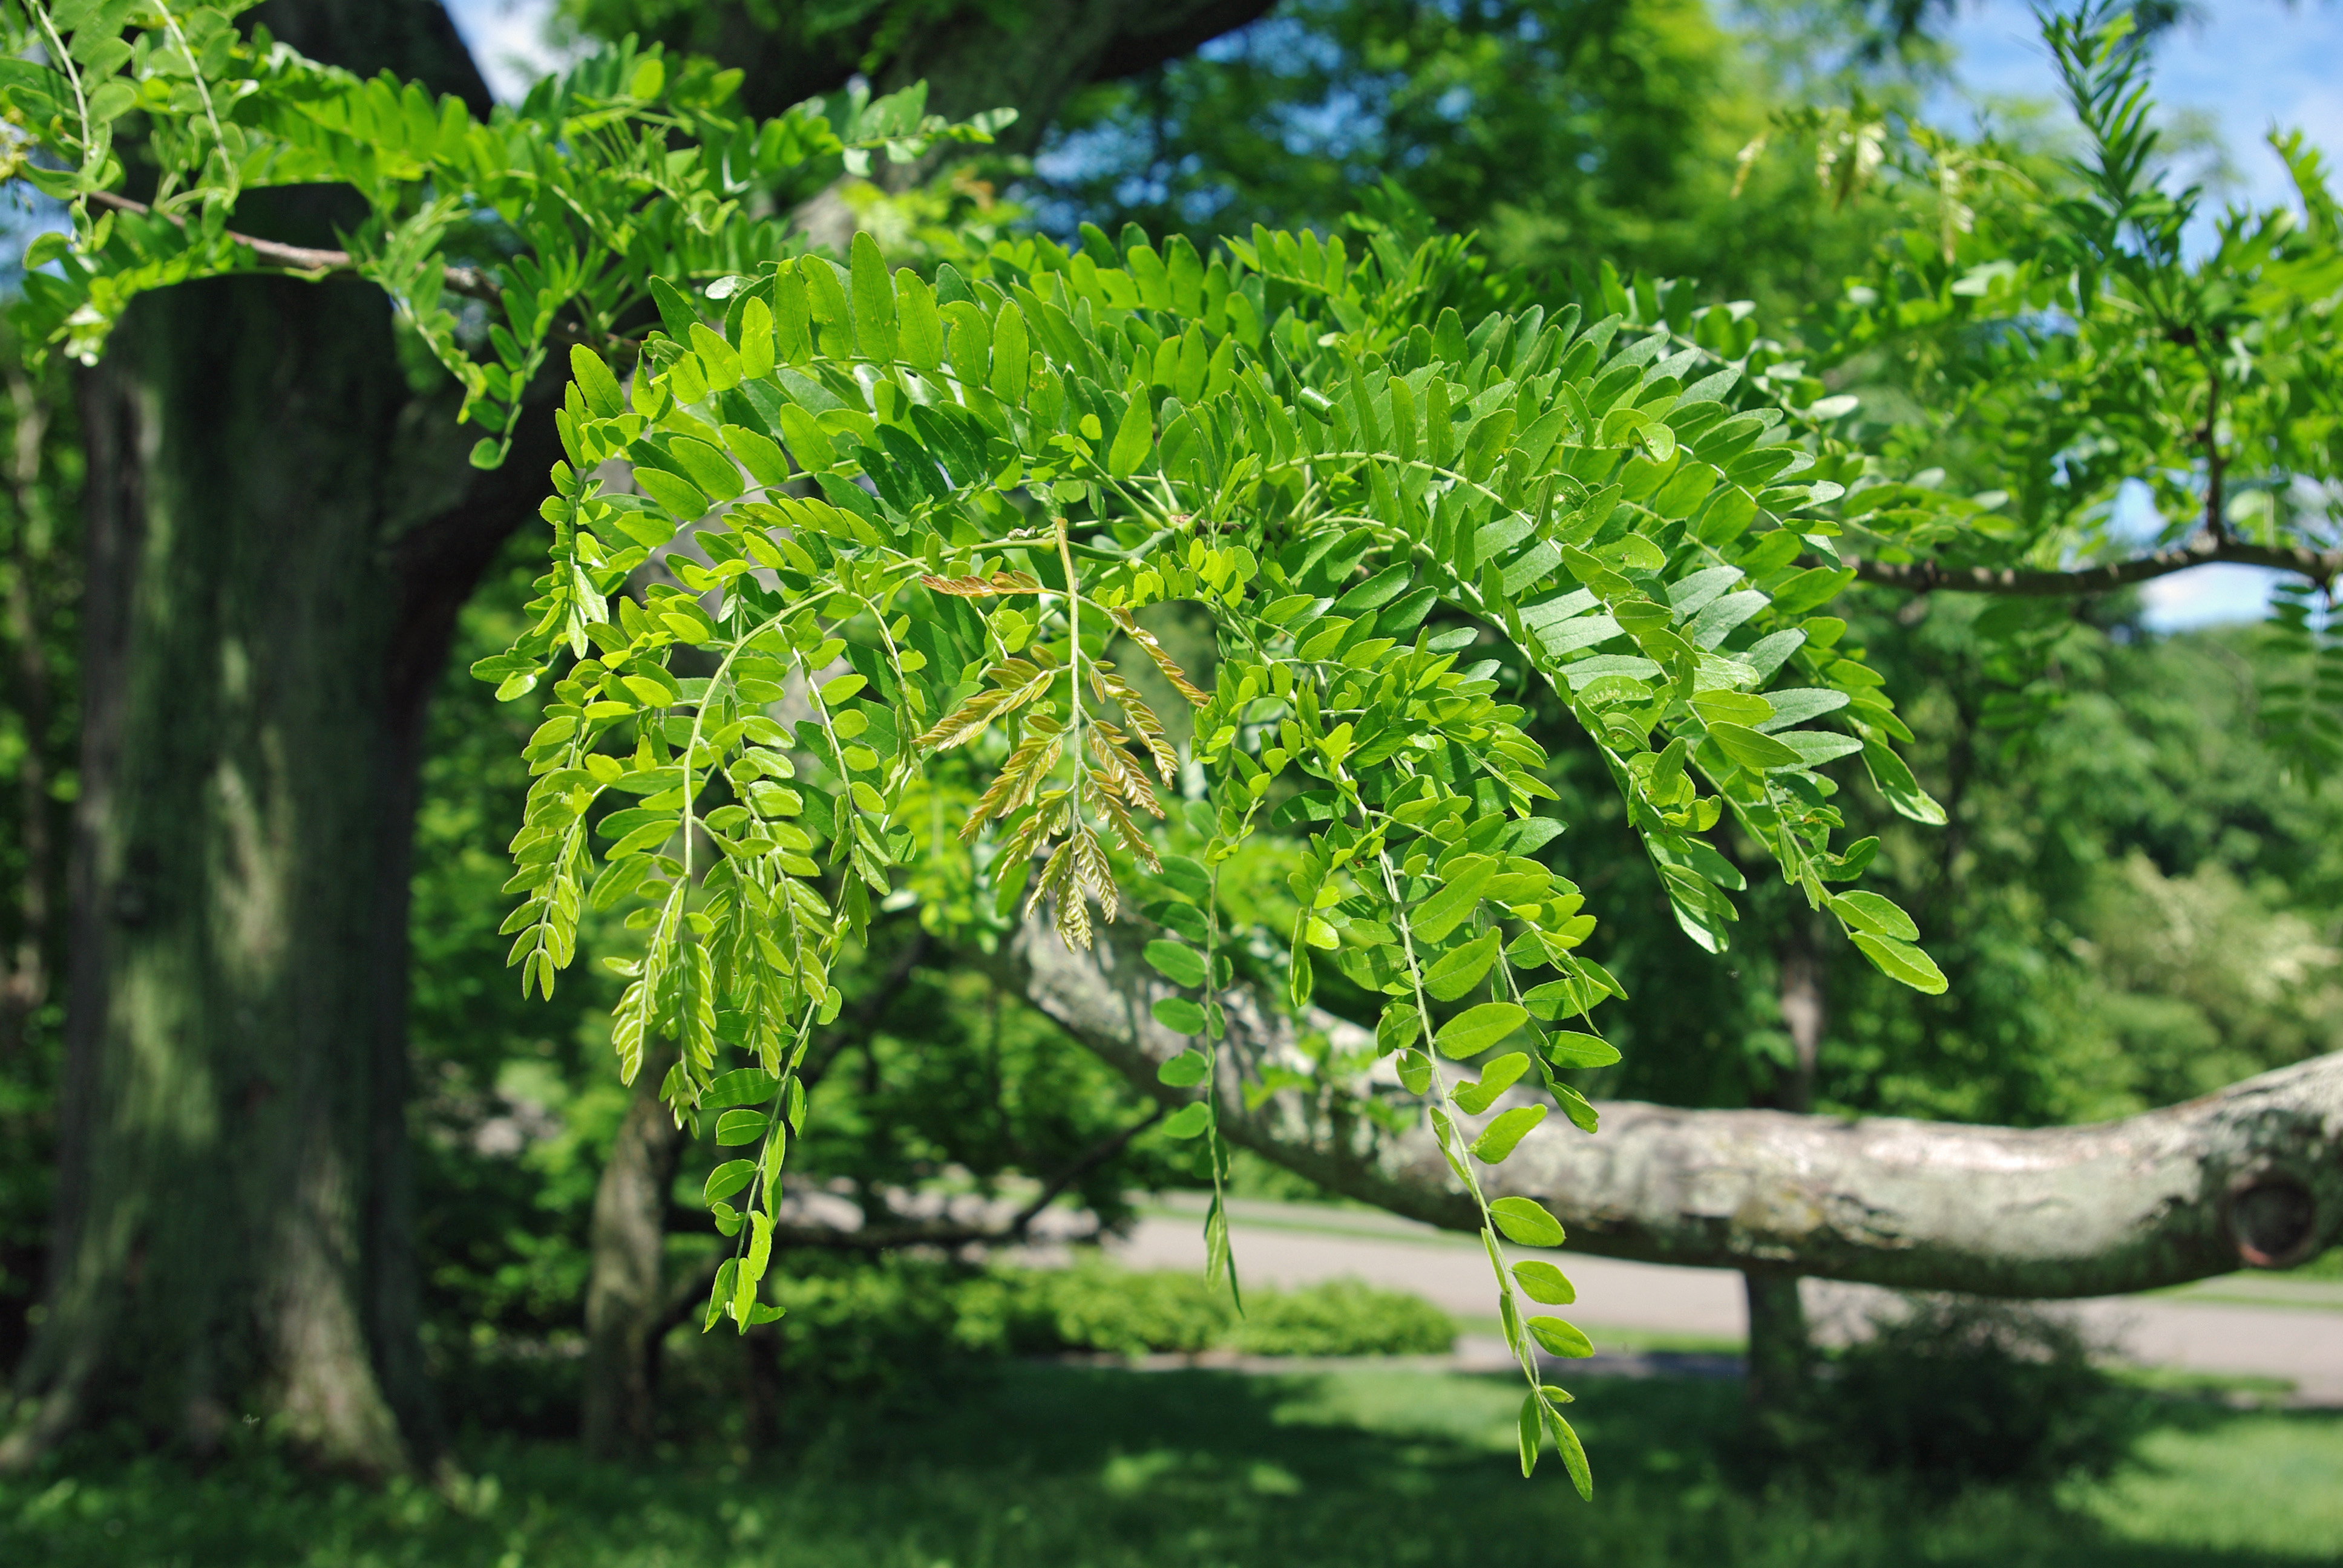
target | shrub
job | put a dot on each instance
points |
(1955, 1391)
(1097, 1306)
(1342, 1317)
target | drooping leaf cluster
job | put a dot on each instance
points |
(914, 528)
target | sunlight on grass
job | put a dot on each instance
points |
(2270, 1481)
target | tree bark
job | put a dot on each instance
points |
(279, 531)
(2252, 1176)
(1780, 1350)
(627, 1303)
(30, 603)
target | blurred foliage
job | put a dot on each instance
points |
(1562, 131)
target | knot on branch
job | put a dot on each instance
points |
(2272, 1220)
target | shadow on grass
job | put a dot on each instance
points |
(1095, 1468)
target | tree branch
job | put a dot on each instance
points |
(2251, 1176)
(1928, 576)
(1014, 1230)
(469, 281)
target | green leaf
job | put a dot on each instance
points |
(1414, 1072)
(1399, 1027)
(1752, 750)
(1499, 1139)
(681, 501)
(1132, 438)
(1459, 971)
(748, 1086)
(840, 689)
(1187, 877)
(1574, 1454)
(1543, 1283)
(1559, 1337)
(1902, 961)
(809, 444)
(1496, 1078)
(1188, 1120)
(874, 300)
(1177, 962)
(1179, 1015)
(1896, 782)
(1870, 913)
(921, 328)
(739, 1126)
(1568, 1048)
(728, 1179)
(1475, 1030)
(594, 383)
(1525, 1220)
(1529, 1427)
(1186, 1070)
(1811, 588)
(720, 1292)
(712, 470)
(1447, 908)
(1732, 707)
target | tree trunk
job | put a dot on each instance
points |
(627, 1305)
(279, 532)
(1779, 1347)
(1780, 1350)
(2252, 1176)
(30, 602)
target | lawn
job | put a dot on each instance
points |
(1066, 1467)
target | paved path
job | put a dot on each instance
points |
(2242, 1324)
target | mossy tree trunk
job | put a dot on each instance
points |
(280, 527)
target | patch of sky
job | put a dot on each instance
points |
(511, 42)
(2220, 594)
(2225, 77)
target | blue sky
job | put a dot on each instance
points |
(2245, 65)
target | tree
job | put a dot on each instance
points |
(239, 923)
(207, 930)
(1317, 448)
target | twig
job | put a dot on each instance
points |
(1928, 576)
(469, 281)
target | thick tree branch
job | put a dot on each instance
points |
(1928, 576)
(2251, 1176)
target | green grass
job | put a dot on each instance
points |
(1061, 1467)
